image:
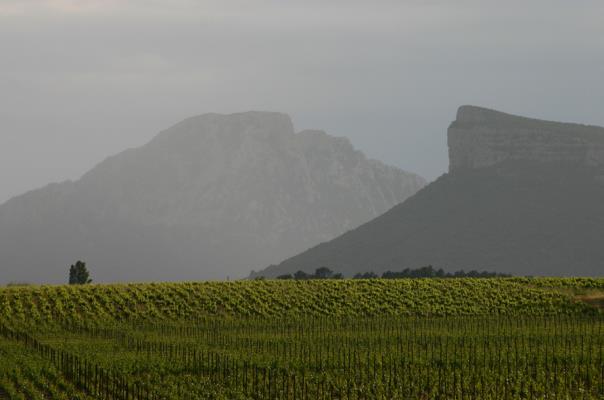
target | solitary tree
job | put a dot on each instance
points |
(78, 274)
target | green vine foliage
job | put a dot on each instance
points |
(508, 338)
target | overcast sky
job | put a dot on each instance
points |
(81, 80)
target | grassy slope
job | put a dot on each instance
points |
(265, 298)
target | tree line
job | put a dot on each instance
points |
(422, 272)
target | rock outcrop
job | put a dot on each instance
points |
(211, 197)
(480, 137)
(523, 197)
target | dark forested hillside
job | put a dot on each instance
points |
(523, 197)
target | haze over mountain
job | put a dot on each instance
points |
(211, 197)
(522, 196)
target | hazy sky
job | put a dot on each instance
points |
(81, 80)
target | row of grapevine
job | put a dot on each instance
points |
(152, 302)
(452, 358)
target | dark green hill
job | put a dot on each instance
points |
(549, 221)
(517, 201)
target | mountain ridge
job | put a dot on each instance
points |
(532, 206)
(214, 195)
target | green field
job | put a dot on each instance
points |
(513, 338)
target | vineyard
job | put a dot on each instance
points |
(511, 338)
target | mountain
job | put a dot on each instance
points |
(522, 196)
(211, 197)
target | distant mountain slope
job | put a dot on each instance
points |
(211, 197)
(523, 196)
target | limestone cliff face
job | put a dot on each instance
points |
(481, 137)
(213, 196)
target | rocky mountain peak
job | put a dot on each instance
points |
(256, 125)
